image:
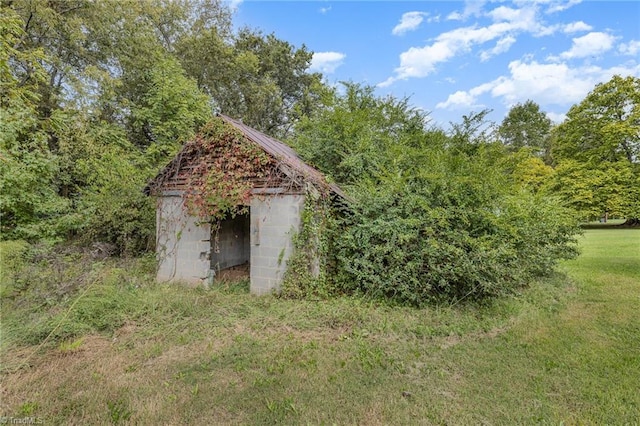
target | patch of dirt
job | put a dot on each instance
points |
(126, 330)
(235, 273)
(454, 340)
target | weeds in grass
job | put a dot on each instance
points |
(28, 408)
(70, 346)
(279, 410)
(136, 352)
(119, 411)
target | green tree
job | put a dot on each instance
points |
(28, 195)
(359, 136)
(602, 135)
(83, 82)
(526, 126)
(433, 216)
(169, 111)
(528, 170)
(261, 79)
(474, 130)
(604, 126)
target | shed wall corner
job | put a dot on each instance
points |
(274, 221)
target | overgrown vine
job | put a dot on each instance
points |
(224, 171)
(306, 273)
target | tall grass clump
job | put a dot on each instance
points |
(59, 292)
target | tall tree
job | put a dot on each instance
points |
(602, 133)
(605, 126)
(28, 195)
(261, 79)
(83, 82)
(353, 136)
(526, 126)
(168, 112)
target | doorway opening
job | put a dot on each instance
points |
(231, 249)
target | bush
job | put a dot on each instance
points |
(436, 216)
(11, 261)
(458, 232)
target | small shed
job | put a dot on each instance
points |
(258, 234)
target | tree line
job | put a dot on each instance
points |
(476, 210)
(96, 97)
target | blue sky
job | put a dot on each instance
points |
(455, 57)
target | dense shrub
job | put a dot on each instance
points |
(419, 245)
(435, 216)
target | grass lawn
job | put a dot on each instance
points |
(127, 351)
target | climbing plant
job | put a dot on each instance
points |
(307, 267)
(224, 169)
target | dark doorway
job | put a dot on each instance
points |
(230, 244)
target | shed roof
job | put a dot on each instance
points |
(291, 164)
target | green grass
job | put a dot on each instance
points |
(565, 351)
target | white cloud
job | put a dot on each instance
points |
(417, 62)
(632, 48)
(459, 99)
(507, 22)
(552, 6)
(548, 84)
(501, 46)
(409, 21)
(559, 6)
(556, 117)
(575, 27)
(465, 100)
(471, 8)
(421, 61)
(233, 4)
(455, 16)
(388, 82)
(591, 44)
(504, 13)
(324, 10)
(326, 62)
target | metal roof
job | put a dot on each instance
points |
(283, 153)
(294, 167)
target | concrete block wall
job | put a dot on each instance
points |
(274, 221)
(182, 243)
(231, 247)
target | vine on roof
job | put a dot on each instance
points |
(225, 166)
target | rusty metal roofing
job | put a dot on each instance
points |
(283, 153)
(290, 164)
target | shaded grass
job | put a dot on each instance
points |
(596, 224)
(565, 350)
